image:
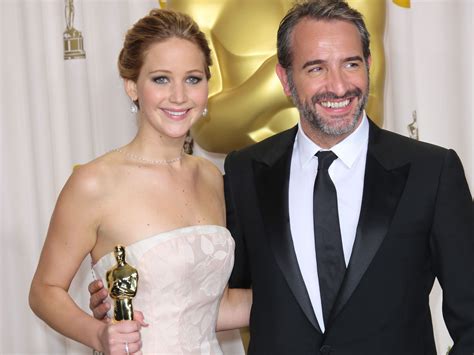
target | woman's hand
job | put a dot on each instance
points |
(123, 337)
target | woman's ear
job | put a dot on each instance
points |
(131, 89)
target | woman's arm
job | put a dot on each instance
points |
(234, 309)
(71, 236)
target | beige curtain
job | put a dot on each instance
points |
(54, 114)
(429, 51)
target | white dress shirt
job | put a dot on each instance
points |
(347, 174)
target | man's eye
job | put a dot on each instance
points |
(352, 65)
(161, 80)
(316, 69)
(193, 80)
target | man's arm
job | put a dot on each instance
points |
(452, 247)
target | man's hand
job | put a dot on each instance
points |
(96, 302)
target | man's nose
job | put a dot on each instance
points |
(337, 82)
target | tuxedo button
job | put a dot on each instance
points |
(325, 350)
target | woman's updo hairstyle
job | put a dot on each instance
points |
(158, 26)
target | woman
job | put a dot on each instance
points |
(166, 207)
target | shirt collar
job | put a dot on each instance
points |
(347, 150)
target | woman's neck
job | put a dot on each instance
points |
(158, 147)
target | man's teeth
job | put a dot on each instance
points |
(340, 104)
(176, 113)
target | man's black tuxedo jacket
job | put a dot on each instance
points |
(415, 225)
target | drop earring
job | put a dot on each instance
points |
(188, 143)
(133, 107)
(204, 112)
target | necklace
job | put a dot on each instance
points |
(149, 161)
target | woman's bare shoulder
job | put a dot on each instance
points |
(93, 179)
(208, 167)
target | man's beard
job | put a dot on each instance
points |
(308, 112)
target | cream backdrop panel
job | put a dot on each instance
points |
(56, 113)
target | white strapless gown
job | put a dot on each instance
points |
(182, 274)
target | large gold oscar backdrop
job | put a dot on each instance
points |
(246, 100)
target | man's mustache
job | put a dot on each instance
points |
(325, 96)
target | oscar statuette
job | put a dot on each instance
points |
(122, 283)
(73, 40)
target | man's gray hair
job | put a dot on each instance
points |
(321, 10)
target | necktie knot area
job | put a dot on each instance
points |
(325, 159)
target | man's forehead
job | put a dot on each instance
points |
(312, 35)
(323, 27)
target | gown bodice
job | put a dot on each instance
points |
(182, 274)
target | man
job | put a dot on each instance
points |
(403, 212)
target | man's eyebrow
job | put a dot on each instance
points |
(313, 62)
(320, 61)
(354, 58)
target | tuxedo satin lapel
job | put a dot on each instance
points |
(272, 190)
(382, 191)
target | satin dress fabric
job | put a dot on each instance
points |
(182, 274)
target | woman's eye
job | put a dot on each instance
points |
(193, 80)
(161, 80)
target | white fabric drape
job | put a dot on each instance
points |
(56, 113)
(429, 52)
